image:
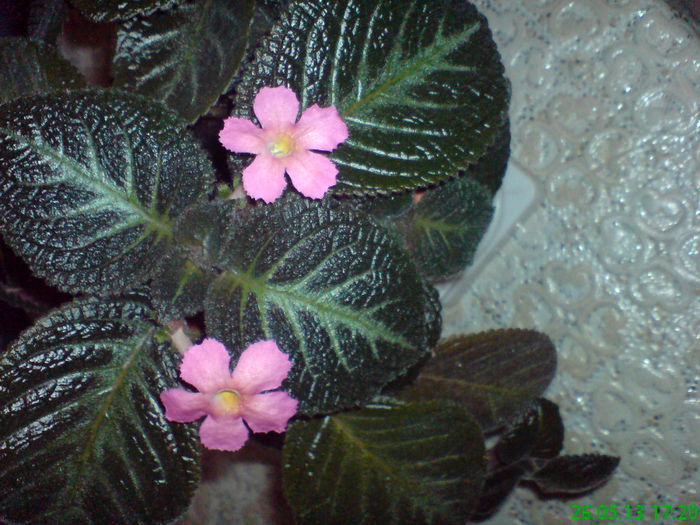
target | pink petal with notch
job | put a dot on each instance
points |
(264, 178)
(242, 136)
(320, 128)
(182, 406)
(276, 108)
(269, 412)
(312, 174)
(262, 366)
(223, 434)
(206, 366)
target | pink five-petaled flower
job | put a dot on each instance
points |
(227, 398)
(281, 145)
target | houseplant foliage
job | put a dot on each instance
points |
(108, 195)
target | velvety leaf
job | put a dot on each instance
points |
(45, 19)
(92, 183)
(178, 287)
(332, 289)
(495, 375)
(186, 56)
(574, 474)
(418, 463)
(491, 168)
(540, 434)
(497, 487)
(83, 436)
(110, 10)
(446, 226)
(419, 83)
(30, 68)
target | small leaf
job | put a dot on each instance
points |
(575, 474)
(418, 463)
(539, 434)
(186, 56)
(178, 288)
(332, 289)
(92, 183)
(419, 83)
(83, 436)
(110, 10)
(446, 226)
(495, 375)
(497, 487)
(30, 68)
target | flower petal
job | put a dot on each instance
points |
(320, 128)
(264, 178)
(312, 174)
(206, 367)
(242, 136)
(182, 406)
(276, 108)
(223, 434)
(262, 366)
(269, 412)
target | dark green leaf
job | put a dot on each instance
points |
(446, 226)
(495, 375)
(83, 436)
(419, 83)
(540, 434)
(110, 10)
(497, 486)
(418, 463)
(186, 56)
(332, 289)
(92, 183)
(30, 68)
(45, 19)
(178, 287)
(575, 474)
(491, 168)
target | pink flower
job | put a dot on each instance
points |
(227, 398)
(281, 145)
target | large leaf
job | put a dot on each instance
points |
(83, 436)
(91, 183)
(418, 82)
(186, 56)
(109, 10)
(29, 68)
(419, 463)
(332, 289)
(495, 375)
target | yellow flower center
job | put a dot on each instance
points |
(282, 146)
(228, 402)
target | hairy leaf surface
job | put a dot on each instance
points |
(419, 83)
(30, 68)
(110, 10)
(186, 56)
(332, 289)
(91, 184)
(83, 437)
(495, 375)
(418, 463)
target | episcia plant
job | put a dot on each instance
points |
(282, 183)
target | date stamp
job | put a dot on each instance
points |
(634, 512)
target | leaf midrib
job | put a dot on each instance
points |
(158, 223)
(440, 47)
(352, 318)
